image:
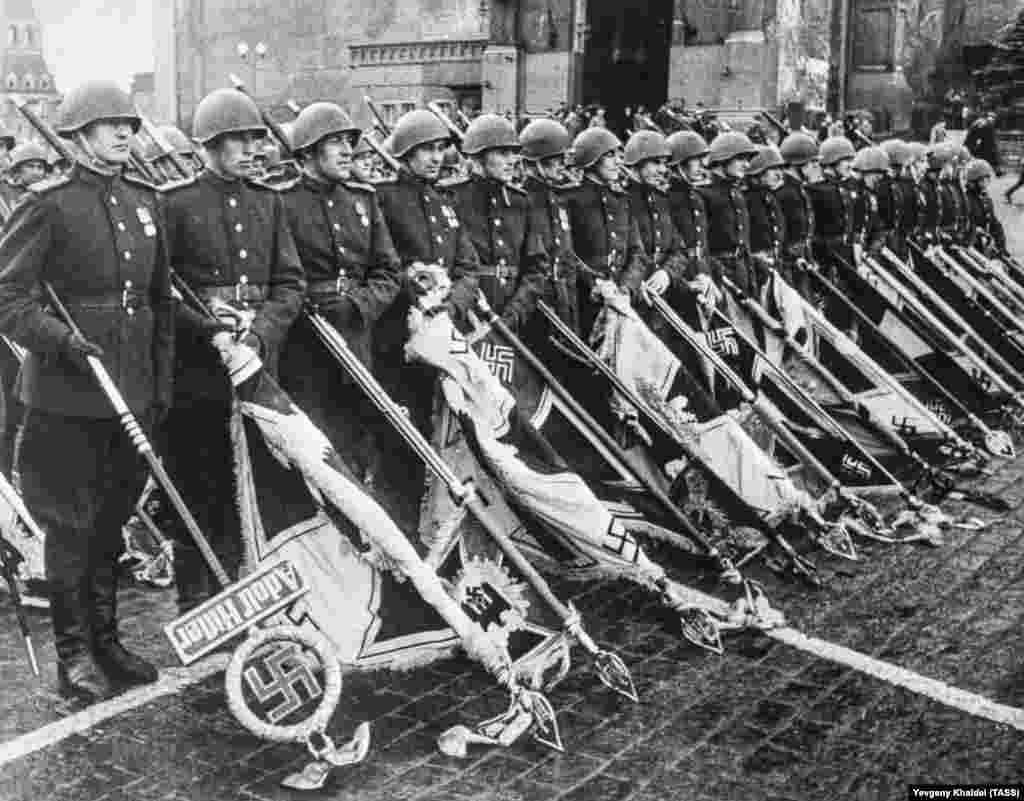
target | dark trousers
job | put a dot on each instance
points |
(198, 458)
(80, 478)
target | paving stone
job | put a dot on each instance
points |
(599, 788)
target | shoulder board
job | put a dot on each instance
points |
(179, 184)
(49, 184)
(451, 183)
(389, 180)
(134, 180)
(358, 185)
(287, 186)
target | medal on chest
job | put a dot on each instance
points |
(363, 216)
(146, 218)
(449, 215)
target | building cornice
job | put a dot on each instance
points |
(379, 54)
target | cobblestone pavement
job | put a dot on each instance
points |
(764, 721)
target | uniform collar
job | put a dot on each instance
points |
(219, 182)
(317, 186)
(88, 175)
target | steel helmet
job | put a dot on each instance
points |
(591, 144)
(415, 128)
(915, 151)
(92, 101)
(28, 151)
(977, 169)
(489, 132)
(961, 154)
(362, 148)
(686, 145)
(544, 138)
(896, 150)
(871, 159)
(288, 129)
(730, 145)
(174, 137)
(799, 148)
(645, 145)
(768, 156)
(940, 155)
(226, 111)
(836, 149)
(318, 120)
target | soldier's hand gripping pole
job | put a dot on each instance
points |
(611, 670)
(724, 564)
(143, 445)
(799, 565)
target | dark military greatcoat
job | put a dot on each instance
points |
(985, 227)
(690, 216)
(662, 241)
(729, 231)
(553, 226)
(507, 236)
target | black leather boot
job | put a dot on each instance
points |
(121, 665)
(78, 674)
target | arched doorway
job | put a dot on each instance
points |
(626, 57)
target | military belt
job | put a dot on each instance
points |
(502, 271)
(240, 294)
(731, 254)
(128, 300)
(331, 286)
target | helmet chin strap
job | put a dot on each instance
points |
(96, 163)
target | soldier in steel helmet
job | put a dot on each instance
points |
(911, 172)
(689, 213)
(728, 217)
(182, 145)
(7, 143)
(364, 162)
(833, 198)
(544, 150)
(871, 165)
(932, 212)
(496, 213)
(891, 202)
(647, 157)
(80, 472)
(229, 240)
(957, 218)
(604, 227)
(352, 277)
(28, 165)
(426, 229)
(801, 153)
(986, 231)
(764, 177)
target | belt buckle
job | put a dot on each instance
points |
(126, 297)
(501, 272)
(341, 282)
(241, 298)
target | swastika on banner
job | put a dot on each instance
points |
(723, 341)
(281, 675)
(853, 466)
(500, 360)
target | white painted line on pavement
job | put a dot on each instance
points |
(953, 697)
(171, 680)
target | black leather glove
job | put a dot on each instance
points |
(343, 313)
(253, 341)
(77, 348)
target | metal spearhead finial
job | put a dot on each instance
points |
(328, 756)
(701, 629)
(834, 538)
(614, 674)
(998, 443)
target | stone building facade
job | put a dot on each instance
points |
(25, 71)
(531, 55)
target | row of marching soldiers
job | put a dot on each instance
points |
(645, 220)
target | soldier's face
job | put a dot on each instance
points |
(736, 168)
(693, 170)
(233, 155)
(333, 158)
(553, 169)
(30, 172)
(654, 172)
(609, 166)
(844, 168)
(772, 178)
(811, 171)
(870, 179)
(362, 167)
(109, 140)
(500, 164)
(425, 160)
